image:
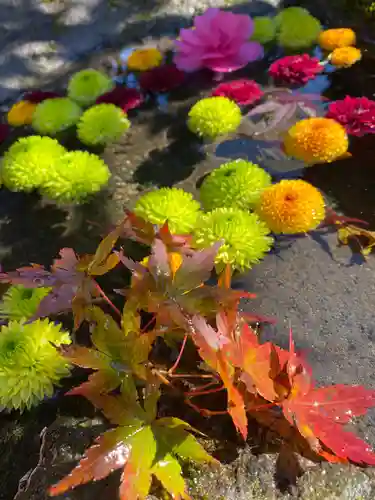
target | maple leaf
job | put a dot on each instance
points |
(210, 343)
(143, 446)
(281, 106)
(320, 413)
(364, 238)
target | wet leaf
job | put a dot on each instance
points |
(107, 454)
(104, 260)
(168, 471)
(363, 237)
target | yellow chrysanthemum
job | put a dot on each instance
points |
(335, 38)
(291, 206)
(144, 59)
(345, 57)
(21, 113)
(316, 140)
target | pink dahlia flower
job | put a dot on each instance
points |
(356, 114)
(121, 97)
(219, 41)
(295, 70)
(243, 92)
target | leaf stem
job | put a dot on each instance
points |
(173, 368)
(107, 299)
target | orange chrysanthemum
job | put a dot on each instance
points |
(316, 140)
(335, 38)
(21, 113)
(144, 59)
(291, 206)
(345, 57)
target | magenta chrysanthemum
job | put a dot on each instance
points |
(295, 70)
(356, 114)
(4, 132)
(161, 79)
(122, 97)
(243, 92)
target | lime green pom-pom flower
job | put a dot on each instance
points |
(87, 85)
(237, 184)
(264, 29)
(102, 124)
(76, 176)
(297, 28)
(214, 116)
(169, 204)
(55, 115)
(30, 365)
(245, 237)
(28, 161)
(19, 302)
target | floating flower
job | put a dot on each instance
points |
(356, 114)
(4, 132)
(19, 302)
(144, 59)
(28, 161)
(102, 124)
(316, 140)
(295, 70)
(243, 92)
(235, 184)
(219, 42)
(30, 365)
(291, 206)
(245, 237)
(169, 204)
(87, 85)
(21, 113)
(264, 29)
(55, 115)
(76, 176)
(121, 97)
(297, 29)
(344, 57)
(162, 79)
(335, 38)
(37, 96)
(214, 116)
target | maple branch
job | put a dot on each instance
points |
(204, 411)
(107, 299)
(196, 392)
(173, 368)
(144, 329)
(189, 375)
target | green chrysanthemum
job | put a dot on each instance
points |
(172, 204)
(264, 29)
(55, 115)
(245, 237)
(76, 176)
(87, 85)
(297, 28)
(237, 184)
(29, 364)
(21, 303)
(102, 124)
(214, 116)
(28, 161)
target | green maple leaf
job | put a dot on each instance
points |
(141, 445)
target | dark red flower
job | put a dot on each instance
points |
(243, 92)
(4, 132)
(356, 114)
(37, 96)
(161, 79)
(122, 97)
(295, 70)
